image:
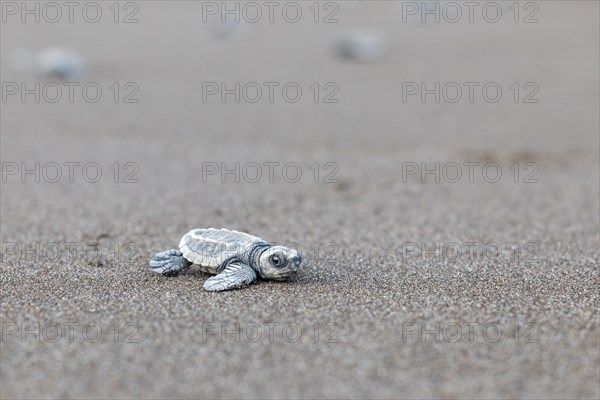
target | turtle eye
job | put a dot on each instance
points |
(275, 260)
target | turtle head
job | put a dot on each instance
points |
(279, 263)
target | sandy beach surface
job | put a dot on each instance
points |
(450, 249)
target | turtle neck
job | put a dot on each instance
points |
(254, 257)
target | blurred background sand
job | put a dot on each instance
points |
(354, 276)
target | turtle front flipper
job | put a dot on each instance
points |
(169, 263)
(236, 275)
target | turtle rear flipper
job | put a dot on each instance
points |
(236, 275)
(169, 263)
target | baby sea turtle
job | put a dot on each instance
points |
(51, 62)
(235, 257)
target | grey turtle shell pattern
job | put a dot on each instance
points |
(210, 248)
